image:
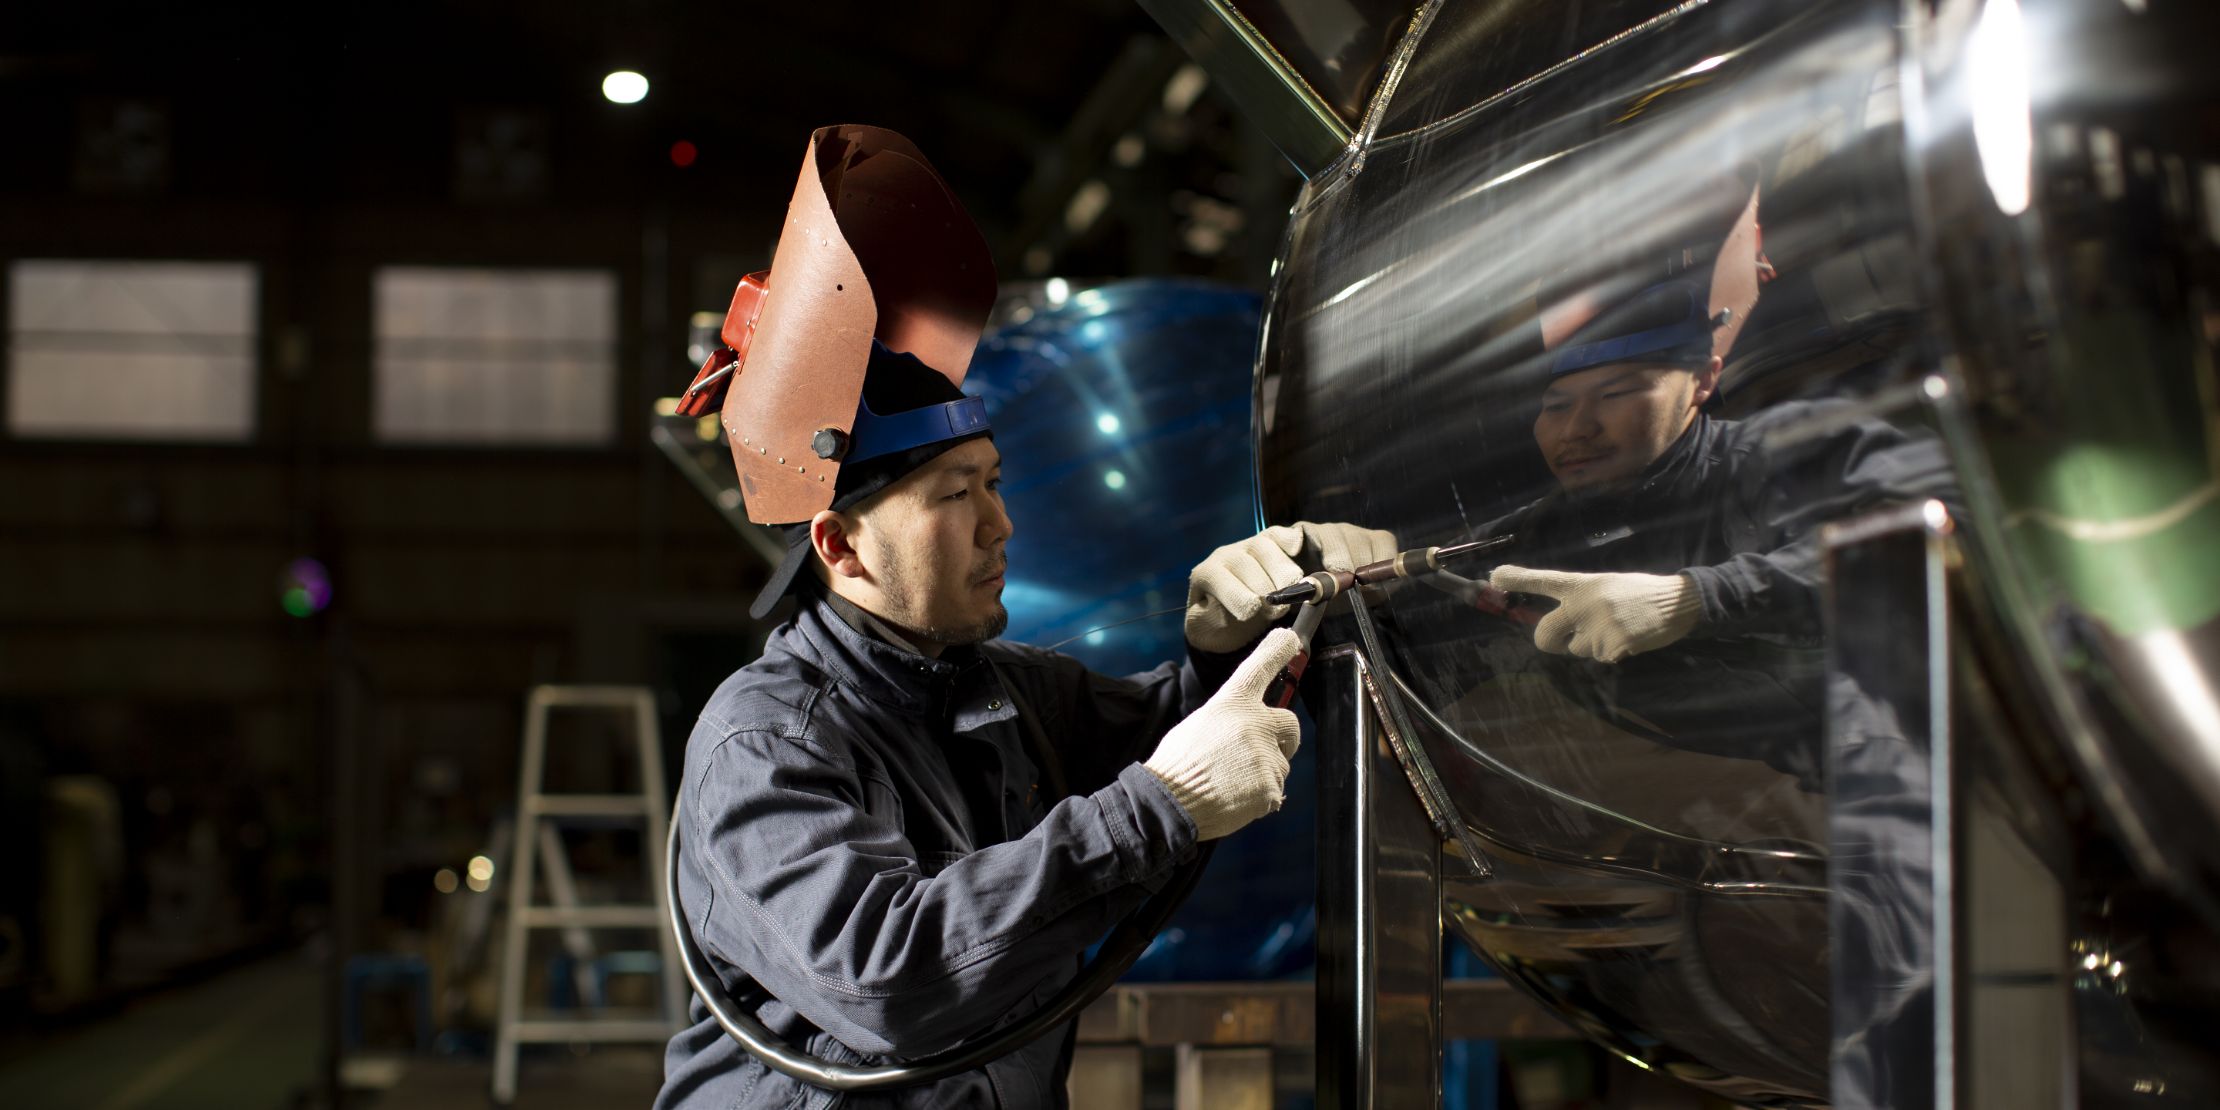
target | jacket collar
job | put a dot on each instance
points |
(865, 621)
(889, 673)
(1684, 465)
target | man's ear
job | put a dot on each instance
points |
(1707, 382)
(830, 536)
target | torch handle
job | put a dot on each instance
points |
(1281, 693)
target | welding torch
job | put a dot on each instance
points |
(1313, 592)
(1316, 590)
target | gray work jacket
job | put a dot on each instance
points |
(867, 836)
(1736, 506)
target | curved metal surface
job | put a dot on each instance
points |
(1473, 58)
(1657, 825)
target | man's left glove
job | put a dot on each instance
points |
(1225, 594)
(1606, 617)
(1226, 764)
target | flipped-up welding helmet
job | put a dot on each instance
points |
(877, 265)
(841, 364)
(1691, 317)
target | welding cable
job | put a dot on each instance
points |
(1480, 754)
(1125, 944)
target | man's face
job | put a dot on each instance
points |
(1599, 428)
(932, 544)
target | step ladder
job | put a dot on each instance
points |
(537, 839)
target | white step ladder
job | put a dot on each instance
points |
(538, 816)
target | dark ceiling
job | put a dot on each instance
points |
(376, 104)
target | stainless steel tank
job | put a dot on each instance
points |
(1985, 244)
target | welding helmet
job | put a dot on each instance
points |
(841, 364)
(1691, 317)
(878, 264)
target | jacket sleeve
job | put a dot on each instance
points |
(1786, 495)
(1101, 723)
(825, 903)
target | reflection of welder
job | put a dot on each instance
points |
(1682, 550)
(1674, 527)
(1625, 394)
(1623, 406)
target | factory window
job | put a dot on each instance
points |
(494, 357)
(131, 350)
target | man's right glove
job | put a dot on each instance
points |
(1227, 762)
(1225, 594)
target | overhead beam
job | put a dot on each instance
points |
(1258, 78)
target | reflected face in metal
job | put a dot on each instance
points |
(1600, 428)
(929, 550)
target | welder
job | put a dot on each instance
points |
(903, 831)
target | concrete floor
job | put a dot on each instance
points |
(605, 1078)
(254, 1037)
(251, 1038)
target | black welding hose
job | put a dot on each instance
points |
(1126, 943)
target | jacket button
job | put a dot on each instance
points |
(996, 704)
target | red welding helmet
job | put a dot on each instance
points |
(875, 246)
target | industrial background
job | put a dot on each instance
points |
(339, 464)
(332, 341)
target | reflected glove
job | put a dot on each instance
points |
(1606, 617)
(1225, 594)
(1226, 763)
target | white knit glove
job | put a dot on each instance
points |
(1225, 594)
(1227, 762)
(1606, 617)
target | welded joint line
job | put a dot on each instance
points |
(1410, 750)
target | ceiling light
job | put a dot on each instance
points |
(624, 87)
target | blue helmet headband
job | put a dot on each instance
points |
(1666, 322)
(929, 415)
(876, 436)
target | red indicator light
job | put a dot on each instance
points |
(683, 154)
